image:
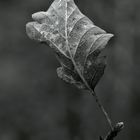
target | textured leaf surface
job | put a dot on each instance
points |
(75, 39)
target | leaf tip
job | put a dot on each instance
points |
(31, 30)
(39, 16)
(110, 35)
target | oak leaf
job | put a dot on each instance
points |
(75, 39)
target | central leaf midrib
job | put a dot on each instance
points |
(67, 44)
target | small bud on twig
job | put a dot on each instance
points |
(111, 135)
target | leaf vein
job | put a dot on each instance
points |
(76, 24)
(72, 12)
(82, 38)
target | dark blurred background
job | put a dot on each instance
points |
(36, 105)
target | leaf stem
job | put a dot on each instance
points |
(102, 109)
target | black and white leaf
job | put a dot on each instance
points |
(75, 39)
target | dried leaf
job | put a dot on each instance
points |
(76, 41)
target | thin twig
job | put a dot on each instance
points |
(112, 134)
